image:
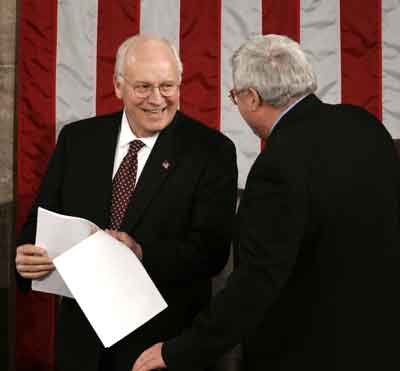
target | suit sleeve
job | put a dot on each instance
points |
(48, 197)
(204, 249)
(272, 219)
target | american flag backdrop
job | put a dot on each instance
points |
(66, 54)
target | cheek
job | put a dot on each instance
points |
(174, 100)
(244, 114)
(130, 101)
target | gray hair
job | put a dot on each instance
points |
(131, 41)
(276, 67)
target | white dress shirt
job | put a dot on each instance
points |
(125, 137)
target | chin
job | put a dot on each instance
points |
(155, 127)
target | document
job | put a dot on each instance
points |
(111, 286)
(57, 233)
(102, 274)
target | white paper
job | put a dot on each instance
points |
(57, 233)
(110, 285)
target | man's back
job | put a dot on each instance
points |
(339, 170)
(318, 232)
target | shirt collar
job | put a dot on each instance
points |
(126, 135)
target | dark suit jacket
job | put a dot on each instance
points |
(182, 217)
(319, 271)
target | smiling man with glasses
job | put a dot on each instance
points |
(159, 181)
(147, 79)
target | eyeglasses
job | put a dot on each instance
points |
(144, 90)
(233, 95)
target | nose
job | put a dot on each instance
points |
(155, 96)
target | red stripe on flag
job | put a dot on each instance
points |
(117, 20)
(200, 50)
(281, 17)
(35, 316)
(361, 53)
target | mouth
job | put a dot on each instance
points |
(154, 110)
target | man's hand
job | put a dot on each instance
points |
(128, 241)
(150, 359)
(33, 262)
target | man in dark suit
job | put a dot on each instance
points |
(319, 269)
(178, 220)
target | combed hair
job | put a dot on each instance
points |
(131, 41)
(276, 67)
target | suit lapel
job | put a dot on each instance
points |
(102, 178)
(162, 162)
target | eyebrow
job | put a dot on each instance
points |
(149, 83)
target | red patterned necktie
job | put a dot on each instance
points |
(124, 184)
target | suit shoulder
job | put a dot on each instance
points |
(198, 132)
(360, 118)
(352, 113)
(352, 109)
(91, 124)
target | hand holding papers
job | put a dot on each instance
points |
(104, 276)
(57, 233)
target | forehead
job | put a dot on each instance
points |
(152, 72)
(151, 62)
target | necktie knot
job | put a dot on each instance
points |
(135, 146)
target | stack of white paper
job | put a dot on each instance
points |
(105, 277)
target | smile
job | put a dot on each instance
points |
(158, 110)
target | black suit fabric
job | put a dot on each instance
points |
(317, 283)
(181, 213)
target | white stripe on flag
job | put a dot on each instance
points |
(76, 61)
(320, 38)
(161, 18)
(390, 66)
(240, 20)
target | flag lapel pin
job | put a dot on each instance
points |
(166, 165)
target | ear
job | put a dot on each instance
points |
(255, 99)
(117, 87)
